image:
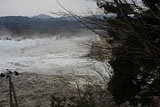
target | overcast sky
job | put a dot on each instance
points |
(35, 7)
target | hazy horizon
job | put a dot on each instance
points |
(36, 7)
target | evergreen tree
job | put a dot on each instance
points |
(136, 62)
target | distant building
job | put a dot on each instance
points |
(101, 47)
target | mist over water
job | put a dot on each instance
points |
(46, 64)
(58, 33)
(49, 54)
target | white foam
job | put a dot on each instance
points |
(40, 53)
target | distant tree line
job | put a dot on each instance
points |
(18, 25)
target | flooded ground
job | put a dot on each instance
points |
(46, 66)
(47, 55)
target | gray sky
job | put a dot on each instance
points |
(35, 7)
